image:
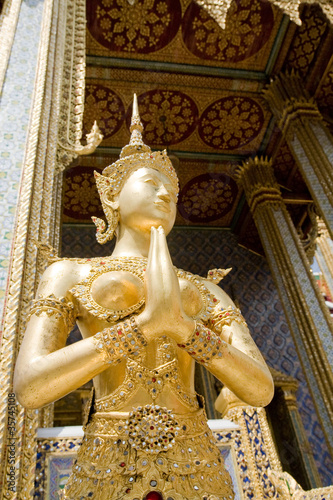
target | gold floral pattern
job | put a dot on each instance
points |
(105, 106)
(168, 116)
(231, 122)
(81, 199)
(207, 197)
(142, 26)
(248, 27)
(307, 40)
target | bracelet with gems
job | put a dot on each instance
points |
(204, 345)
(119, 341)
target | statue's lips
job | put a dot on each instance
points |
(163, 206)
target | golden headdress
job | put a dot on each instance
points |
(132, 157)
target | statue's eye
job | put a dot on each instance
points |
(151, 181)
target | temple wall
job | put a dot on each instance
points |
(250, 284)
(15, 107)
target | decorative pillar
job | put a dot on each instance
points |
(309, 140)
(291, 435)
(260, 455)
(305, 309)
(324, 255)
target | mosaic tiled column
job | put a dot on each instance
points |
(305, 309)
(324, 255)
(309, 140)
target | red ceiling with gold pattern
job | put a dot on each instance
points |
(199, 93)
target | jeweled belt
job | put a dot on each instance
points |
(150, 428)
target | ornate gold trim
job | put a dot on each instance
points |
(287, 488)
(8, 21)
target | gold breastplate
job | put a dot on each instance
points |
(88, 291)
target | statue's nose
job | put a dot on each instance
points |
(163, 194)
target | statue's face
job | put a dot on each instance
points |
(147, 199)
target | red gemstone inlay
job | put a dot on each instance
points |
(122, 464)
(154, 379)
(154, 495)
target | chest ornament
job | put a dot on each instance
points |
(137, 267)
(83, 290)
(153, 381)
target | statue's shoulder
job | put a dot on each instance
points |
(62, 274)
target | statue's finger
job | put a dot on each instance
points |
(152, 248)
(163, 248)
(170, 280)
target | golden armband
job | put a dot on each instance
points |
(225, 316)
(204, 345)
(120, 341)
(54, 307)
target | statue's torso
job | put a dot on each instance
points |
(147, 431)
(110, 290)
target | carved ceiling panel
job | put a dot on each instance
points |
(188, 114)
(174, 31)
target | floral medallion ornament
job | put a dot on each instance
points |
(168, 116)
(143, 26)
(151, 429)
(207, 197)
(248, 27)
(105, 106)
(231, 122)
(81, 199)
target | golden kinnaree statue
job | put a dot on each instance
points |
(144, 325)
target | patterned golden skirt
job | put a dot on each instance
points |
(149, 454)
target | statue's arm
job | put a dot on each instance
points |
(46, 368)
(239, 364)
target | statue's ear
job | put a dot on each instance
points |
(109, 199)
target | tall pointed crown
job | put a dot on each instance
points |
(133, 156)
(136, 144)
(136, 155)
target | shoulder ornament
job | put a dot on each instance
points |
(53, 306)
(217, 275)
